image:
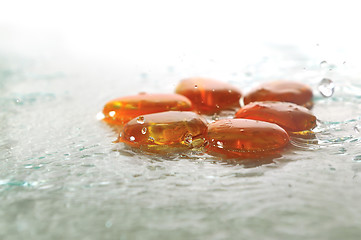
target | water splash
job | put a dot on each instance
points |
(326, 87)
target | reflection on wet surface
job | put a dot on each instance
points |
(61, 175)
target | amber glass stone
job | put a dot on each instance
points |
(290, 116)
(209, 96)
(245, 138)
(169, 129)
(282, 91)
(121, 110)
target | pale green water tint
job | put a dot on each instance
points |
(61, 177)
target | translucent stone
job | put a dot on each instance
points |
(209, 96)
(165, 129)
(282, 91)
(245, 138)
(121, 110)
(290, 116)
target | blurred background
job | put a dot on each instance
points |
(168, 32)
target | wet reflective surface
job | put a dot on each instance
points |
(61, 177)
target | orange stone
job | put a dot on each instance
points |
(121, 110)
(245, 138)
(290, 116)
(209, 96)
(282, 91)
(167, 129)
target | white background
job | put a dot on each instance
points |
(158, 31)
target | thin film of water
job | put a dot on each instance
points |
(62, 177)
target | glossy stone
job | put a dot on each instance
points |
(209, 96)
(290, 116)
(282, 91)
(245, 138)
(119, 111)
(169, 129)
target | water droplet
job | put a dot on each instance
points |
(357, 158)
(109, 224)
(132, 138)
(144, 75)
(100, 116)
(140, 120)
(219, 144)
(196, 86)
(215, 117)
(326, 87)
(188, 139)
(356, 128)
(151, 139)
(18, 101)
(323, 63)
(144, 130)
(112, 113)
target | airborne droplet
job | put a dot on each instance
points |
(323, 64)
(144, 130)
(326, 87)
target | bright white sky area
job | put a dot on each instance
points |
(153, 30)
